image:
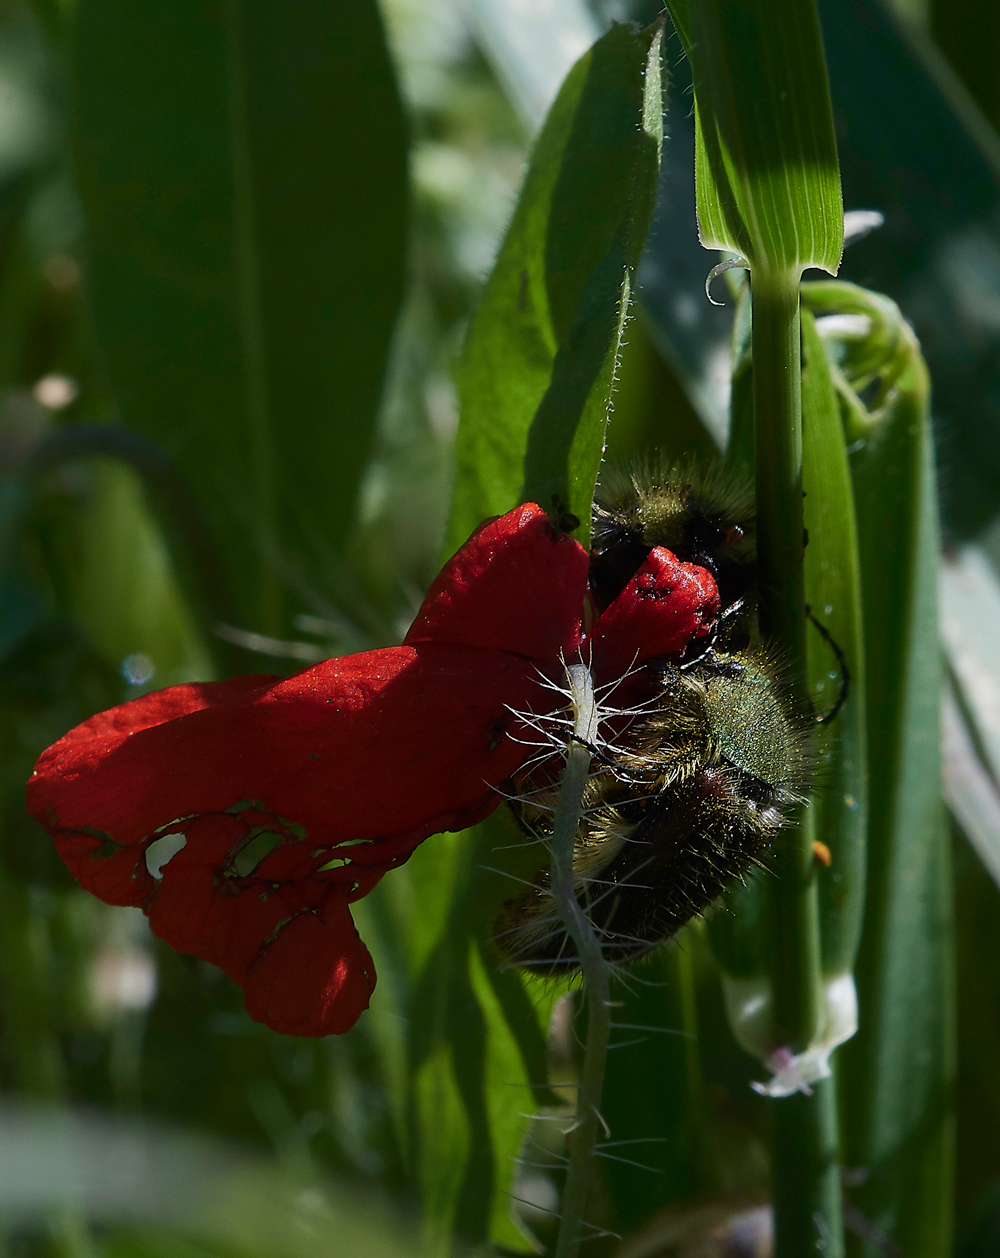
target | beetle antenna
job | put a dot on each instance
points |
(845, 673)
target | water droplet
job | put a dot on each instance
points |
(828, 609)
(138, 668)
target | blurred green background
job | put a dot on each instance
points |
(240, 245)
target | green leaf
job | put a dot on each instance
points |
(747, 942)
(834, 596)
(896, 1074)
(472, 1054)
(766, 173)
(242, 168)
(978, 1096)
(538, 367)
(119, 584)
(653, 1091)
(908, 129)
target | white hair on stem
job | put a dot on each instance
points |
(584, 738)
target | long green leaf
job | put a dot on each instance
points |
(766, 172)
(476, 1048)
(538, 366)
(835, 645)
(912, 151)
(897, 1072)
(242, 167)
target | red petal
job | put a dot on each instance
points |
(664, 606)
(197, 909)
(114, 873)
(160, 706)
(385, 747)
(293, 947)
(316, 977)
(517, 585)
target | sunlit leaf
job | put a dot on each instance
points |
(969, 790)
(119, 583)
(538, 367)
(767, 179)
(533, 49)
(970, 614)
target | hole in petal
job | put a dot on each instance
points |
(346, 843)
(338, 862)
(177, 821)
(161, 851)
(242, 805)
(108, 846)
(278, 928)
(249, 855)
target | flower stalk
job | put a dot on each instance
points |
(804, 1131)
(596, 971)
(777, 384)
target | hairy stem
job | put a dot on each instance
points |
(596, 973)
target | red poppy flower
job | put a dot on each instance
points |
(244, 816)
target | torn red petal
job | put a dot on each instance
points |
(115, 874)
(158, 707)
(196, 908)
(291, 945)
(664, 606)
(386, 747)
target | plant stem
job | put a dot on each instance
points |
(777, 388)
(805, 1176)
(595, 969)
(807, 1216)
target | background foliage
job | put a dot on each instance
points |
(242, 247)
